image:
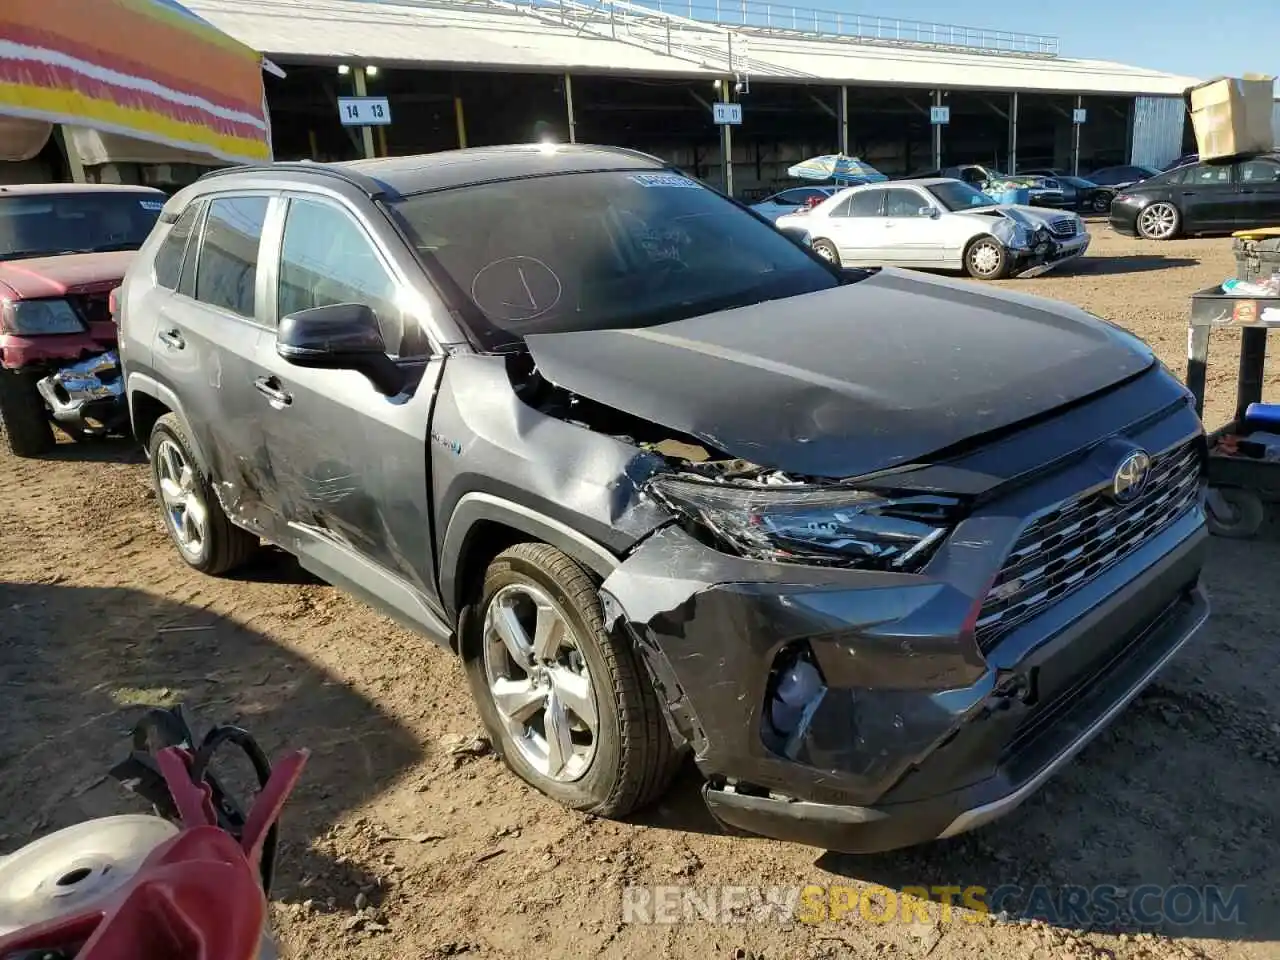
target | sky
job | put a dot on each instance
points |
(1198, 38)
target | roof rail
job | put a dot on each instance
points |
(375, 189)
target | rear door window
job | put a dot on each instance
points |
(227, 273)
(865, 203)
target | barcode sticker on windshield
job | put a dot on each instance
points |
(155, 206)
(663, 180)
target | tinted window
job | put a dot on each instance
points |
(44, 225)
(327, 258)
(228, 267)
(603, 250)
(865, 203)
(1203, 175)
(1260, 171)
(174, 248)
(959, 196)
(903, 203)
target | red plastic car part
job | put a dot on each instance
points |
(196, 897)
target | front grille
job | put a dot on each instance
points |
(1063, 227)
(1075, 542)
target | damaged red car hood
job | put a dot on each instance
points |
(67, 274)
(852, 380)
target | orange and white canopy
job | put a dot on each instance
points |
(149, 69)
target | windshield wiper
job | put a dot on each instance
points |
(113, 247)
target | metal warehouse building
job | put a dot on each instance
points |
(475, 72)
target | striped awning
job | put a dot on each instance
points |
(149, 69)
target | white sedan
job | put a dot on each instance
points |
(939, 224)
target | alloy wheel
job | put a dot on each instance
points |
(184, 505)
(539, 682)
(1158, 221)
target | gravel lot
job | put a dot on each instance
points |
(402, 842)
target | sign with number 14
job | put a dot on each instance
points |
(364, 111)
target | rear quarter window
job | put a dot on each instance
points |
(173, 249)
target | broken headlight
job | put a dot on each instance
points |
(834, 527)
(29, 318)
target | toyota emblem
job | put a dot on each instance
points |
(1130, 478)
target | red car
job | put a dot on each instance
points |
(63, 249)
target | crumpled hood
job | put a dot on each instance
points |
(59, 276)
(1028, 216)
(849, 381)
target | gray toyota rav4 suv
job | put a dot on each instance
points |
(883, 551)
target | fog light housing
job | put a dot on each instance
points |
(794, 693)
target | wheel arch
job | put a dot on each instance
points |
(149, 400)
(483, 525)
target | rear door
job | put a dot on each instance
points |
(1206, 196)
(349, 467)
(1258, 203)
(205, 339)
(856, 225)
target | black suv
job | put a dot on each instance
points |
(882, 550)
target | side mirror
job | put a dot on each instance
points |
(931, 212)
(342, 336)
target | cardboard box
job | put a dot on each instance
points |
(1232, 116)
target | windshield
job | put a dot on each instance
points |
(959, 196)
(593, 251)
(43, 225)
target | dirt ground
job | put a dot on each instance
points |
(401, 842)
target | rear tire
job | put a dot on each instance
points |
(986, 259)
(630, 757)
(1159, 221)
(25, 429)
(1101, 202)
(205, 538)
(827, 251)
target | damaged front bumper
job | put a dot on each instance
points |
(1040, 258)
(917, 734)
(87, 397)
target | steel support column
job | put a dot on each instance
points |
(568, 103)
(937, 132)
(726, 140)
(362, 90)
(1075, 138)
(1013, 132)
(844, 120)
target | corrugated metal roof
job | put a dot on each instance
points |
(492, 34)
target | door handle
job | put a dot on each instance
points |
(172, 338)
(269, 387)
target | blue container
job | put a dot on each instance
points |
(1263, 415)
(1020, 195)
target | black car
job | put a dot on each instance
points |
(1201, 198)
(883, 551)
(1182, 161)
(1121, 176)
(1078, 193)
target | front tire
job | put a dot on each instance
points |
(1159, 221)
(567, 706)
(197, 525)
(25, 429)
(986, 259)
(1101, 202)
